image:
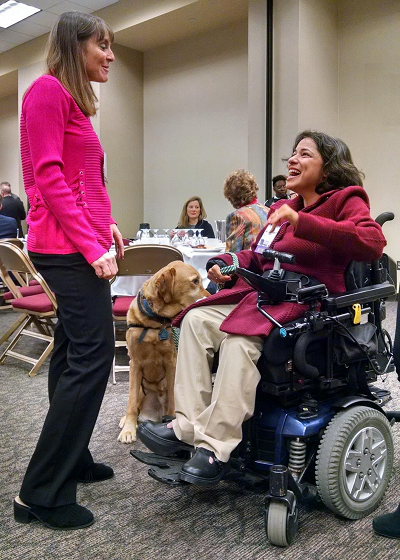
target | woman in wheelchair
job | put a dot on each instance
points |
(325, 227)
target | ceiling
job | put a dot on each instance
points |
(138, 24)
(42, 22)
(132, 29)
(194, 18)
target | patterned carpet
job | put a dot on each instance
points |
(138, 518)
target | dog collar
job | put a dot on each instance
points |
(145, 308)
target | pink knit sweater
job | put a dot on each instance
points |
(62, 165)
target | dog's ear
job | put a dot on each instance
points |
(165, 284)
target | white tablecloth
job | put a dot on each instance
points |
(130, 285)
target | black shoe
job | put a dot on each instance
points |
(64, 518)
(203, 468)
(388, 525)
(160, 439)
(95, 473)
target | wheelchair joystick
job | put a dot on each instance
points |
(277, 272)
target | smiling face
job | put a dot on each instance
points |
(98, 56)
(193, 212)
(305, 170)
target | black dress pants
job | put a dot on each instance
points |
(79, 369)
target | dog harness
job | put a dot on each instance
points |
(145, 307)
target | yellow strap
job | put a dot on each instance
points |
(357, 313)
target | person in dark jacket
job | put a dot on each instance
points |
(8, 227)
(12, 207)
(280, 190)
(325, 227)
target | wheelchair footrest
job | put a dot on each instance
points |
(163, 469)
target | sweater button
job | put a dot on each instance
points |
(80, 172)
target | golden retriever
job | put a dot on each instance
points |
(150, 345)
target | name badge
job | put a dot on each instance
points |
(266, 239)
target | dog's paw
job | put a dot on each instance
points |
(122, 422)
(128, 432)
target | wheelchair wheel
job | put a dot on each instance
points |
(354, 461)
(280, 523)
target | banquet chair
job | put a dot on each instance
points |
(139, 260)
(3, 288)
(37, 310)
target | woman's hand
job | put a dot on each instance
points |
(283, 213)
(119, 244)
(106, 266)
(214, 275)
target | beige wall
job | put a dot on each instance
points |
(121, 134)
(305, 72)
(9, 142)
(318, 66)
(195, 122)
(369, 100)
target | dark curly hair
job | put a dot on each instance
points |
(278, 178)
(339, 168)
(240, 188)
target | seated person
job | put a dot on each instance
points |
(244, 224)
(8, 227)
(192, 217)
(280, 190)
(325, 227)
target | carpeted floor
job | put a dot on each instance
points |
(139, 518)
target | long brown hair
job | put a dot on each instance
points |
(184, 218)
(66, 55)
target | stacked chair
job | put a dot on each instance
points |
(139, 260)
(30, 296)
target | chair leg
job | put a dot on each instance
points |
(41, 360)
(23, 324)
(13, 328)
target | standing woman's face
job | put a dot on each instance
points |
(98, 56)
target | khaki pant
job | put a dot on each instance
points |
(212, 416)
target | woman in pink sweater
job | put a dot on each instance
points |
(70, 234)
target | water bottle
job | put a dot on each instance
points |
(220, 227)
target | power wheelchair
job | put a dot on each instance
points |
(319, 428)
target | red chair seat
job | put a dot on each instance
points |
(121, 305)
(33, 282)
(38, 303)
(30, 290)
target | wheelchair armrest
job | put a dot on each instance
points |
(360, 295)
